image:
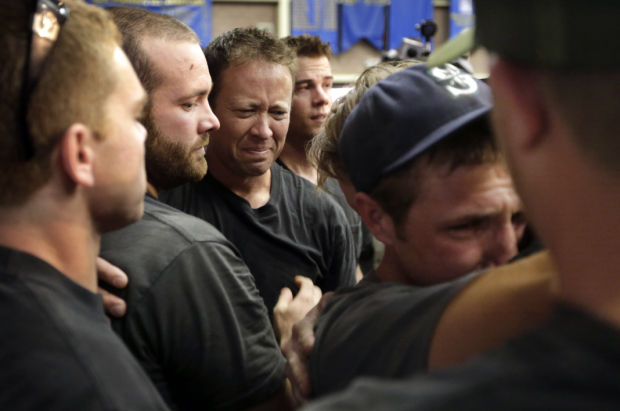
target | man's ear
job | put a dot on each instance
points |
(375, 218)
(519, 102)
(77, 154)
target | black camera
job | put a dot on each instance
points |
(414, 48)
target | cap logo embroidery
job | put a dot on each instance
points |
(453, 80)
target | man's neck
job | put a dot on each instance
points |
(390, 270)
(582, 232)
(256, 190)
(60, 235)
(294, 156)
(589, 263)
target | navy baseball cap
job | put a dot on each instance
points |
(560, 34)
(406, 113)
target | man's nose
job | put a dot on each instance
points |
(208, 122)
(262, 126)
(321, 96)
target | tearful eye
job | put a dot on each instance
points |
(462, 227)
(245, 112)
(470, 225)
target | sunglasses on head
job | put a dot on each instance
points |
(47, 20)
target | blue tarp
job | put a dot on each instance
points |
(363, 19)
(316, 17)
(359, 20)
(194, 13)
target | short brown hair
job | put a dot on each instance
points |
(242, 45)
(74, 83)
(136, 24)
(308, 46)
(323, 151)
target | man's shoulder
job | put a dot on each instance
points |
(201, 198)
(179, 225)
(376, 298)
(301, 191)
(166, 227)
(164, 235)
(569, 363)
(369, 330)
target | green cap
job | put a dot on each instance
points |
(543, 33)
(453, 49)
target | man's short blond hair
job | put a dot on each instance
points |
(74, 84)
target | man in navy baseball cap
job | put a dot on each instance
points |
(433, 186)
(405, 114)
(431, 183)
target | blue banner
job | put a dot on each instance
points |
(316, 17)
(363, 20)
(461, 16)
(359, 20)
(195, 13)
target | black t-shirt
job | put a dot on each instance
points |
(364, 246)
(298, 231)
(57, 350)
(571, 363)
(332, 187)
(362, 237)
(377, 329)
(195, 319)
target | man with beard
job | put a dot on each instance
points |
(195, 319)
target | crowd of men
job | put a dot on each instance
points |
(131, 153)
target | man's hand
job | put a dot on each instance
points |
(290, 310)
(297, 350)
(114, 276)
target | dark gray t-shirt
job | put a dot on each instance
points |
(195, 319)
(362, 237)
(57, 350)
(571, 363)
(298, 232)
(377, 329)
